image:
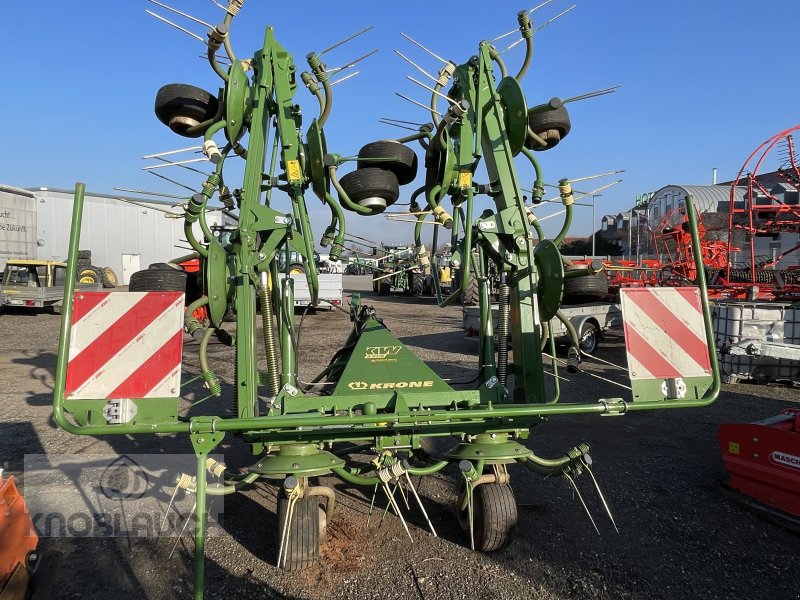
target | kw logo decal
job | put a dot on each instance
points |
(389, 385)
(382, 353)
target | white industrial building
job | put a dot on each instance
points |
(124, 233)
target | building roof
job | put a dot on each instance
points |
(705, 197)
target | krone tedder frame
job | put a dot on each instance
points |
(375, 392)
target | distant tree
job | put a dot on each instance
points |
(603, 247)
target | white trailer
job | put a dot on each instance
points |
(330, 290)
(17, 225)
(591, 321)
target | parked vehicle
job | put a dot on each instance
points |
(591, 321)
(38, 284)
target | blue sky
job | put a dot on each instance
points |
(702, 84)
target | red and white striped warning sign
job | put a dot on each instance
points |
(664, 333)
(125, 345)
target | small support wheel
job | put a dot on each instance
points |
(551, 125)
(495, 514)
(385, 289)
(185, 109)
(372, 188)
(390, 156)
(301, 547)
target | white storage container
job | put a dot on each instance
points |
(742, 323)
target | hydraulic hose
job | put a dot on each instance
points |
(343, 197)
(526, 29)
(567, 199)
(495, 56)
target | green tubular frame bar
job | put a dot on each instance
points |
(390, 408)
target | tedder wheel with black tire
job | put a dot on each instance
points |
(109, 277)
(183, 107)
(158, 280)
(495, 516)
(391, 156)
(296, 269)
(494, 513)
(586, 288)
(90, 274)
(385, 289)
(417, 284)
(372, 188)
(301, 546)
(588, 338)
(551, 125)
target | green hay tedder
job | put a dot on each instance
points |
(375, 396)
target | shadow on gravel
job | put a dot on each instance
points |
(18, 439)
(42, 370)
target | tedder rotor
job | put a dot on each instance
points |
(374, 392)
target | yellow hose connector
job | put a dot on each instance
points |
(565, 189)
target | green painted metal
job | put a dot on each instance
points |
(217, 282)
(376, 391)
(300, 460)
(491, 450)
(551, 283)
(516, 112)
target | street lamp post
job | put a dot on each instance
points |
(594, 233)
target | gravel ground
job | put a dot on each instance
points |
(679, 536)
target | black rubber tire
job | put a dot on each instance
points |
(182, 107)
(90, 274)
(158, 280)
(83, 263)
(495, 516)
(371, 182)
(84, 254)
(302, 544)
(397, 158)
(385, 289)
(552, 125)
(109, 278)
(589, 288)
(417, 284)
(470, 297)
(163, 265)
(589, 338)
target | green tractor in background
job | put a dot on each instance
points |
(400, 271)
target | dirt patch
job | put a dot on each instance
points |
(680, 537)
